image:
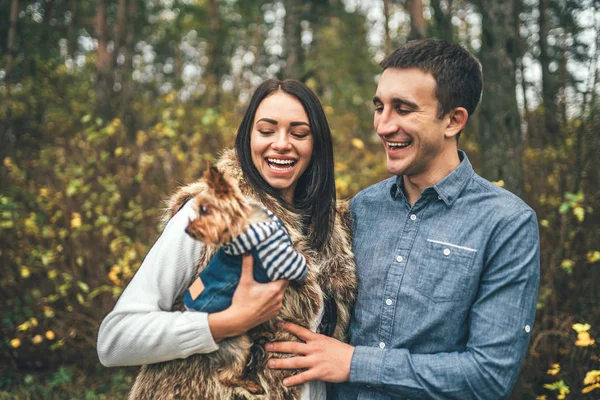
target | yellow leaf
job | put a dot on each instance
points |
(542, 397)
(25, 273)
(581, 327)
(50, 335)
(16, 342)
(584, 340)
(37, 339)
(75, 220)
(592, 377)
(593, 256)
(499, 183)
(579, 213)
(554, 369)
(588, 389)
(359, 144)
(118, 151)
(545, 223)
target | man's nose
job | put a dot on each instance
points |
(385, 124)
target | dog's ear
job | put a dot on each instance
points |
(217, 182)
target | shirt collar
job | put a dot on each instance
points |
(449, 188)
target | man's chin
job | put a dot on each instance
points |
(395, 168)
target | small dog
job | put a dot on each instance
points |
(226, 218)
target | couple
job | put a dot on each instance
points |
(447, 263)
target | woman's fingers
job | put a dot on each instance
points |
(247, 269)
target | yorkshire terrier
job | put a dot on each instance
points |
(239, 225)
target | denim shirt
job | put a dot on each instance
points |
(447, 290)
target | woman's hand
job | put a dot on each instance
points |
(253, 303)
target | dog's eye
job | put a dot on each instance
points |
(203, 209)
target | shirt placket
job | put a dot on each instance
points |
(396, 271)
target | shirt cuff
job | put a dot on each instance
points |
(366, 365)
(194, 334)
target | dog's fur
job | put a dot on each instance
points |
(331, 274)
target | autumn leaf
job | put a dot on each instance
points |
(554, 369)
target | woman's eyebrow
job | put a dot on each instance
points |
(298, 123)
(269, 120)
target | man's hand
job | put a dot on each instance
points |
(325, 358)
(252, 304)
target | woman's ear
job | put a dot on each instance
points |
(458, 119)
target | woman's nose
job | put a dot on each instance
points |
(281, 142)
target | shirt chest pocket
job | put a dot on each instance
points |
(445, 271)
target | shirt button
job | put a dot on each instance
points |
(413, 217)
(527, 328)
(381, 345)
(399, 259)
(446, 252)
(388, 302)
(439, 197)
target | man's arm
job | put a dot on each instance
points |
(500, 324)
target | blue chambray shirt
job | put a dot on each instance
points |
(447, 290)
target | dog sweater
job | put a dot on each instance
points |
(274, 257)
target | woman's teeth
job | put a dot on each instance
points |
(280, 165)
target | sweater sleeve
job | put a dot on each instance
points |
(142, 329)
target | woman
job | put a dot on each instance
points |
(283, 157)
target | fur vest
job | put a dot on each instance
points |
(331, 275)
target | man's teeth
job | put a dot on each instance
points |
(395, 145)
(285, 164)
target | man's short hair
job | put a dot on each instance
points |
(457, 72)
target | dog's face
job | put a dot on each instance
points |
(222, 210)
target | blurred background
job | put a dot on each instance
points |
(108, 105)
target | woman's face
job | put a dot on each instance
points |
(281, 142)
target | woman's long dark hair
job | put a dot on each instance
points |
(314, 196)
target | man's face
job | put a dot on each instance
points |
(415, 140)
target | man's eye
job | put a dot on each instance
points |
(402, 111)
(378, 109)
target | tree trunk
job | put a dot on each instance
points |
(418, 26)
(520, 53)
(103, 65)
(72, 31)
(214, 55)
(443, 23)
(127, 83)
(293, 44)
(120, 28)
(500, 134)
(386, 13)
(549, 91)
(11, 45)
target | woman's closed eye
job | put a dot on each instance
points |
(300, 135)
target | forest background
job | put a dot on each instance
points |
(108, 105)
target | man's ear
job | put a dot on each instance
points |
(458, 119)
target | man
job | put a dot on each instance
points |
(448, 263)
